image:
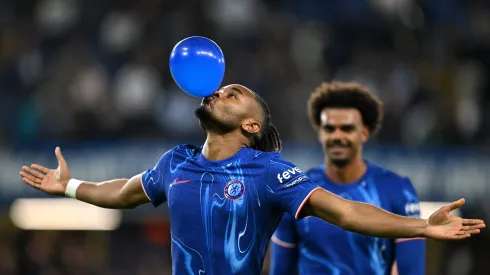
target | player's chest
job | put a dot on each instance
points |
(217, 188)
(181, 188)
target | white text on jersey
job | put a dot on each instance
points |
(287, 174)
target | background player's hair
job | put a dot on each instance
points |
(268, 139)
(346, 95)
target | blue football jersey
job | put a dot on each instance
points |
(223, 213)
(323, 248)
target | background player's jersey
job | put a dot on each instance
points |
(223, 213)
(322, 248)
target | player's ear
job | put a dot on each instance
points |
(321, 134)
(251, 126)
(365, 134)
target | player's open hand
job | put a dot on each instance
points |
(444, 226)
(52, 181)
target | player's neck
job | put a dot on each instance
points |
(350, 173)
(222, 146)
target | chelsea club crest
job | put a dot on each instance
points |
(234, 189)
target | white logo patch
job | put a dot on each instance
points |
(412, 209)
(287, 174)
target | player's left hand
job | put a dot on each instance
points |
(444, 226)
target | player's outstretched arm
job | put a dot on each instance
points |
(373, 221)
(117, 193)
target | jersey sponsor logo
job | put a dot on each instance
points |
(234, 189)
(295, 181)
(287, 174)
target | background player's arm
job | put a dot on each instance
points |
(284, 254)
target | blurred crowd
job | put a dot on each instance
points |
(132, 249)
(92, 70)
(98, 70)
(142, 249)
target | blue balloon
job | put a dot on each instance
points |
(197, 65)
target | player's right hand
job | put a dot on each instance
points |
(52, 181)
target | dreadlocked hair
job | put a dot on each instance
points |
(268, 139)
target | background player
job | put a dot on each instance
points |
(345, 115)
(226, 198)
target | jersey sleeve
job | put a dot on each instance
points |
(284, 255)
(287, 186)
(405, 199)
(409, 253)
(410, 257)
(285, 234)
(152, 181)
(406, 202)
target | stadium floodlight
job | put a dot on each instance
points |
(62, 214)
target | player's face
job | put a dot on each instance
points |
(342, 134)
(226, 109)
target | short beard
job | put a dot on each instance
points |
(209, 123)
(340, 163)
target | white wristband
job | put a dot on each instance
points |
(71, 188)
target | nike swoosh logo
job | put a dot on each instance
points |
(177, 181)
